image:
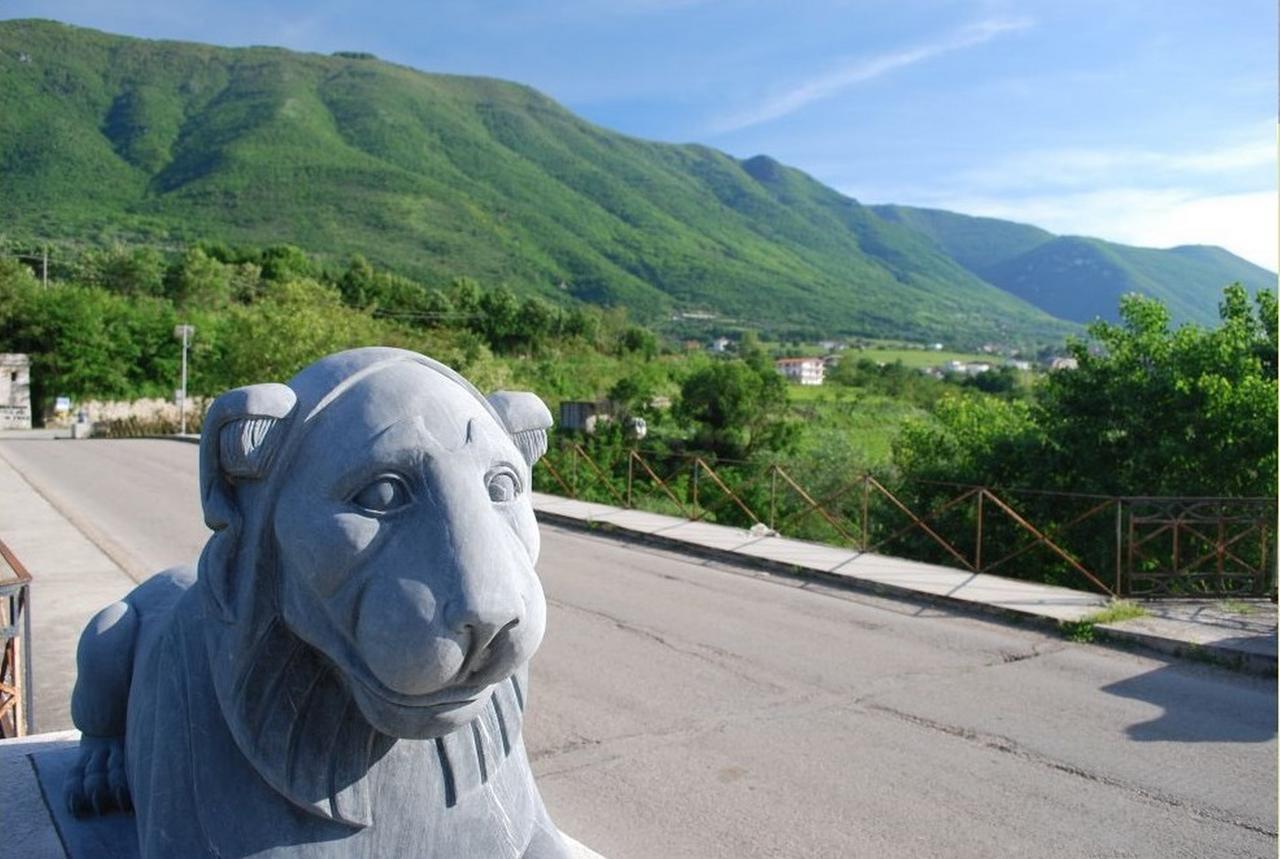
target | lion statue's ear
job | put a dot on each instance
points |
(527, 420)
(242, 431)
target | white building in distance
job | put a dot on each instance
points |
(805, 371)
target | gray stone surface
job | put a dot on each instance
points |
(347, 674)
(35, 827)
(694, 708)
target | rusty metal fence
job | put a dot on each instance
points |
(1121, 546)
(16, 688)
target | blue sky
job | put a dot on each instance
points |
(1151, 122)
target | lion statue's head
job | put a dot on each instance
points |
(373, 524)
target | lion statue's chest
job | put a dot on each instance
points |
(464, 794)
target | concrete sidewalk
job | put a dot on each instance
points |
(1239, 634)
(73, 579)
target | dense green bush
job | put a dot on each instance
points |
(1148, 411)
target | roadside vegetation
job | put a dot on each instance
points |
(1150, 409)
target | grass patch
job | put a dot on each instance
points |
(1077, 630)
(1117, 611)
(918, 358)
(1083, 630)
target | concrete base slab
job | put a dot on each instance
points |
(32, 770)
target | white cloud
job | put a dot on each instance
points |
(860, 70)
(1090, 167)
(1220, 195)
(1244, 223)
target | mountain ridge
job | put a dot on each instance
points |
(1083, 277)
(446, 175)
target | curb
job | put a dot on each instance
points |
(1243, 661)
(1109, 636)
(841, 580)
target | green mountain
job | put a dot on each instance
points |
(107, 138)
(1078, 278)
(975, 243)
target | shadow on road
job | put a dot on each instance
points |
(1196, 711)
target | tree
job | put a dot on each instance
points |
(286, 262)
(633, 393)
(736, 410)
(123, 270)
(199, 280)
(1155, 411)
(294, 323)
(1148, 411)
(499, 319)
(639, 341)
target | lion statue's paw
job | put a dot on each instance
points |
(97, 782)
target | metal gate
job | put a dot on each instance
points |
(1200, 547)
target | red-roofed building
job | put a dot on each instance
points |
(805, 371)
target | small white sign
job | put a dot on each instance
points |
(62, 404)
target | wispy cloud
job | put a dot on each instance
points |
(1244, 223)
(862, 69)
(1223, 194)
(1085, 167)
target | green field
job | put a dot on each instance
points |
(850, 432)
(915, 358)
(920, 357)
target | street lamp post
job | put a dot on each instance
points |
(183, 332)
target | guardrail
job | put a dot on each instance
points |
(16, 688)
(1118, 545)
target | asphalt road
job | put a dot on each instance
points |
(686, 708)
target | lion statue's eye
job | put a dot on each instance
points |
(383, 495)
(503, 486)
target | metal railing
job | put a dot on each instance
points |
(16, 688)
(1120, 546)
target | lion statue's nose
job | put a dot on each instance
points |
(487, 640)
(417, 646)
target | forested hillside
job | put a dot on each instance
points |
(109, 138)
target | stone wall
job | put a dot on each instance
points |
(155, 411)
(15, 391)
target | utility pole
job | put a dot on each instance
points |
(184, 332)
(44, 268)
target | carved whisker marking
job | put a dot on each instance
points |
(515, 684)
(294, 736)
(475, 735)
(348, 790)
(267, 681)
(502, 725)
(446, 770)
(264, 660)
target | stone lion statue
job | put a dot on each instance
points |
(346, 674)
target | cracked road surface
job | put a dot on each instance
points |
(686, 708)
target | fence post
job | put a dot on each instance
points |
(631, 464)
(773, 494)
(1119, 545)
(28, 684)
(696, 463)
(573, 475)
(866, 530)
(977, 551)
